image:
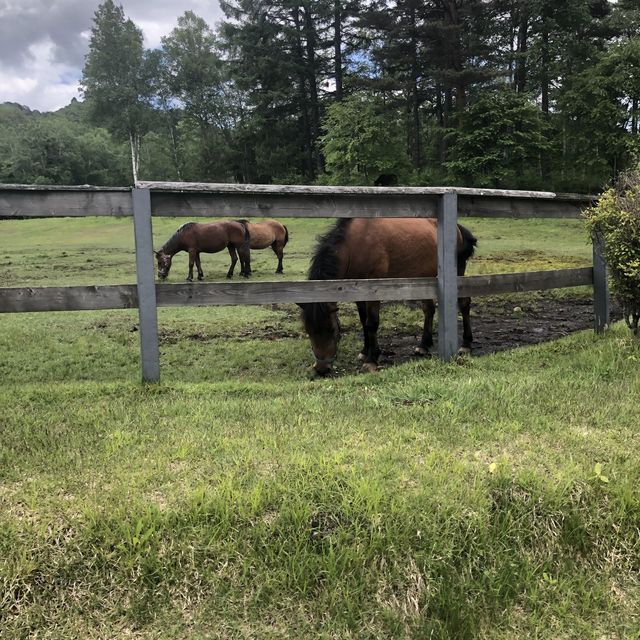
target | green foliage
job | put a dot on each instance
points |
(615, 220)
(361, 141)
(500, 142)
(599, 109)
(434, 91)
(59, 148)
(116, 77)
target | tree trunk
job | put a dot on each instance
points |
(314, 110)
(454, 48)
(134, 142)
(521, 53)
(304, 102)
(337, 47)
(544, 72)
(174, 150)
(416, 146)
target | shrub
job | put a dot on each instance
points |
(615, 220)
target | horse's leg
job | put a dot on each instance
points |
(192, 259)
(199, 267)
(245, 261)
(371, 335)
(362, 312)
(429, 308)
(464, 304)
(234, 259)
(277, 249)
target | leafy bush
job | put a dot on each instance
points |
(362, 139)
(615, 220)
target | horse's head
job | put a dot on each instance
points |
(164, 264)
(321, 323)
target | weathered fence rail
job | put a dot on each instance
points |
(193, 200)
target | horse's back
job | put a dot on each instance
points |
(264, 234)
(391, 248)
(211, 237)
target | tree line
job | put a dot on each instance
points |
(534, 94)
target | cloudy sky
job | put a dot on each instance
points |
(43, 43)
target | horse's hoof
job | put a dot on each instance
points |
(201, 278)
(421, 352)
(279, 272)
(369, 367)
(464, 351)
(189, 279)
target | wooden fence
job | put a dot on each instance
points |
(149, 199)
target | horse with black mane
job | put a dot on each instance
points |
(265, 234)
(362, 248)
(206, 237)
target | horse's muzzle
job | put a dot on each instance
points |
(323, 366)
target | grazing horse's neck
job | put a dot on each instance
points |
(175, 243)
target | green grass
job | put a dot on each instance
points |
(50, 252)
(237, 499)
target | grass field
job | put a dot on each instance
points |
(497, 497)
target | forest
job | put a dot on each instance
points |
(534, 94)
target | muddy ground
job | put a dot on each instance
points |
(500, 324)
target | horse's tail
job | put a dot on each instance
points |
(286, 236)
(469, 242)
(247, 239)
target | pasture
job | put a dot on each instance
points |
(495, 497)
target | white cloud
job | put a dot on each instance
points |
(43, 84)
(43, 43)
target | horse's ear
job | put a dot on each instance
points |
(156, 253)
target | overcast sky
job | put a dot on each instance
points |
(43, 43)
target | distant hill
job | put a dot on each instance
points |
(61, 147)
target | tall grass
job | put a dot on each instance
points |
(451, 501)
(497, 497)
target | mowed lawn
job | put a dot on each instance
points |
(495, 497)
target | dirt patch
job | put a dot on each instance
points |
(500, 324)
(266, 332)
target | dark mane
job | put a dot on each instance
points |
(173, 243)
(324, 264)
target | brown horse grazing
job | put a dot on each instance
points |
(206, 237)
(269, 233)
(362, 248)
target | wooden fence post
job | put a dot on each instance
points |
(601, 298)
(447, 276)
(145, 271)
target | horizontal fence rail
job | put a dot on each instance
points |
(224, 200)
(149, 199)
(125, 296)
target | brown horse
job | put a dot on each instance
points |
(362, 248)
(269, 233)
(206, 237)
